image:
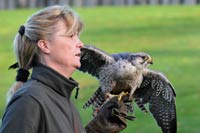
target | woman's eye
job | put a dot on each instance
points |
(73, 35)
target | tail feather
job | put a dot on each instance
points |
(140, 105)
(94, 99)
(130, 108)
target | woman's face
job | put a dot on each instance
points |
(64, 50)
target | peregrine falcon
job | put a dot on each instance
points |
(114, 75)
(127, 72)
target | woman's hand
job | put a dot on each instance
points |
(111, 118)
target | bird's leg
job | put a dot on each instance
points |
(121, 95)
(108, 89)
(133, 88)
(109, 96)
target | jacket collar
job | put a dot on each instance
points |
(54, 80)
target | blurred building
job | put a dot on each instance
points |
(12, 4)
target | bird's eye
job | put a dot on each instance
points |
(144, 57)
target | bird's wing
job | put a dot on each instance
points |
(119, 56)
(159, 93)
(92, 59)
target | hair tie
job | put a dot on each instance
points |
(21, 30)
(22, 75)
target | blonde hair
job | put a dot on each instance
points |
(41, 25)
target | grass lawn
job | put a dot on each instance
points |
(170, 34)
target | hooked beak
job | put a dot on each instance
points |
(149, 60)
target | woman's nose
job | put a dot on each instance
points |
(79, 42)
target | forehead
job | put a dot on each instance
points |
(61, 26)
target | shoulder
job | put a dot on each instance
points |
(24, 101)
(32, 91)
(26, 110)
(23, 98)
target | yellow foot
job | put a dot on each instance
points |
(109, 96)
(121, 95)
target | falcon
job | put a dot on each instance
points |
(128, 72)
(112, 74)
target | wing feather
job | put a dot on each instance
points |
(92, 59)
(119, 56)
(159, 93)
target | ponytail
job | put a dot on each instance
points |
(25, 52)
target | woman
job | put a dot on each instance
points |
(48, 43)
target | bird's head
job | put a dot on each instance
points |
(140, 60)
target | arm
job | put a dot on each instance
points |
(22, 115)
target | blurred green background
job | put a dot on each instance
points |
(170, 34)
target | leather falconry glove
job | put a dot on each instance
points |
(111, 118)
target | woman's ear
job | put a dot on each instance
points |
(43, 46)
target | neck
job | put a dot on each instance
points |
(60, 68)
(63, 70)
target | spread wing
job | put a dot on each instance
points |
(92, 59)
(159, 93)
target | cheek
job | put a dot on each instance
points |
(69, 54)
(61, 53)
